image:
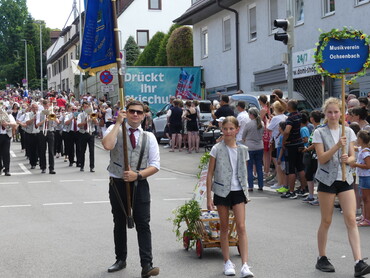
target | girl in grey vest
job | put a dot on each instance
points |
(328, 145)
(227, 178)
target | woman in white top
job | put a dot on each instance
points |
(328, 145)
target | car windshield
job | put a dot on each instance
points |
(205, 107)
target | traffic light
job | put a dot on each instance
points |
(287, 25)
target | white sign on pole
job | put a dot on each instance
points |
(303, 64)
(107, 88)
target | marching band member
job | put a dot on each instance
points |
(72, 139)
(7, 123)
(32, 131)
(46, 122)
(86, 126)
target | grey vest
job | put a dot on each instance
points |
(28, 128)
(327, 173)
(116, 164)
(223, 171)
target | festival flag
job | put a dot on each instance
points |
(98, 45)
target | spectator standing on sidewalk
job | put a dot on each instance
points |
(174, 116)
(293, 145)
(328, 144)
(243, 119)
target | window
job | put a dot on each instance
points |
(360, 2)
(142, 38)
(328, 7)
(226, 28)
(155, 4)
(252, 22)
(299, 11)
(204, 42)
(273, 13)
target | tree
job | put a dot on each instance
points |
(132, 51)
(180, 47)
(161, 58)
(147, 57)
(31, 62)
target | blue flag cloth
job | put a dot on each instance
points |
(98, 47)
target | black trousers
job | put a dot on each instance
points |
(23, 140)
(141, 215)
(58, 142)
(48, 141)
(4, 152)
(87, 139)
(33, 148)
(27, 139)
(73, 143)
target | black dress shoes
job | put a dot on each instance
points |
(33, 167)
(82, 169)
(92, 170)
(7, 174)
(149, 271)
(43, 171)
(118, 265)
(52, 172)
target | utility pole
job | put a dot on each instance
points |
(80, 39)
(41, 75)
(26, 60)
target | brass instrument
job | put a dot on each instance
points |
(91, 115)
(50, 116)
(4, 117)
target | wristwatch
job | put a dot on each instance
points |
(139, 176)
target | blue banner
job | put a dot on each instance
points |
(98, 47)
(156, 84)
(345, 56)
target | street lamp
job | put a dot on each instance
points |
(25, 50)
(41, 76)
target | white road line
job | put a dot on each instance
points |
(177, 172)
(26, 171)
(12, 154)
(177, 199)
(39, 182)
(159, 179)
(15, 206)
(70, 180)
(56, 204)
(96, 202)
(8, 183)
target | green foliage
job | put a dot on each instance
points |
(147, 57)
(180, 47)
(346, 33)
(132, 51)
(204, 160)
(189, 213)
(31, 63)
(161, 59)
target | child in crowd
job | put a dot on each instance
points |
(328, 145)
(363, 171)
(281, 158)
(227, 172)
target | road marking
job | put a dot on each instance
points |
(39, 182)
(56, 204)
(9, 183)
(15, 206)
(159, 179)
(177, 172)
(70, 180)
(177, 199)
(12, 154)
(96, 202)
(25, 170)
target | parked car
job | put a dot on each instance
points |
(251, 100)
(159, 123)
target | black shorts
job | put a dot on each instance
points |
(310, 169)
(175, 129)
(293, 159)
(336, 188)
(234, 198)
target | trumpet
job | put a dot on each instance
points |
(52, 116)
(91, 115)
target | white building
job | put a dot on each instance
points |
(143, 18)
(260, 56)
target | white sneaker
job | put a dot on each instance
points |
(275, 186)
(166, 146)
(245, 271)
(229, 268)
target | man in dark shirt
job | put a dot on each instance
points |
(293, 144)
(225, 110)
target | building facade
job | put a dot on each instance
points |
(256, 62)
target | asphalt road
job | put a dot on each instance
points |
(61, 226)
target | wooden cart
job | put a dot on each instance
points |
(204, 239)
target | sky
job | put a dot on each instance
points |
(54, 12)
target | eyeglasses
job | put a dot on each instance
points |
(132, 112)
(74, 109)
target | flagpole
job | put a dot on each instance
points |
(130, 220)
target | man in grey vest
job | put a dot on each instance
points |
(137, 177)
